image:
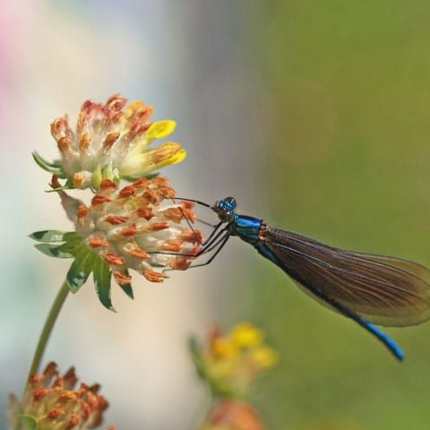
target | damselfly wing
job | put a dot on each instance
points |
(384, 290)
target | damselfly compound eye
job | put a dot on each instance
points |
(230, 202)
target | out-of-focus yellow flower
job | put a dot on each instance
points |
(111, 141)
(53, 402)
(246, 335)
(224, 348)
(233, 415)
(232, 361)
(264, 357)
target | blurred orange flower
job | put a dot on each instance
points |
(233, 415)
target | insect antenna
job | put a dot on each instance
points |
(194, 201)
(196, 236)
(205, 223)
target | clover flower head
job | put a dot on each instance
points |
(137, 227)
(111, 140)
(234, 415)
(55, 402)
(129, 229)
(231, 362)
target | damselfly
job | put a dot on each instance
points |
(369, 289)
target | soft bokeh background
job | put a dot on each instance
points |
(314, 114)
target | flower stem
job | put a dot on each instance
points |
(44, 337)
(47, 329)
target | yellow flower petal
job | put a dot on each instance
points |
(223, 348)
(264, 357)
(133, 108)
(168, 153)
(219, 370)
(161, 129)
(245, 335)
(175, 159)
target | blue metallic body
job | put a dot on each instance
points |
(246, 227)
(249, 229)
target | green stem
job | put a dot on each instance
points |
(47, 329)
(44, 337)
(212, 403)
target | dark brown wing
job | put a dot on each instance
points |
(385, 290)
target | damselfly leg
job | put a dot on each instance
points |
(217, 244)
(216, 239)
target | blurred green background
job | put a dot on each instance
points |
(313, 114)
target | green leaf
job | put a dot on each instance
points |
(85, 261)
(54, 168)
(52, 250)
(73, 245)
(78, 273)
(49, 236)
(102, 278)
(29, 422)
(72, 237)
(194, 349)
(127, 288)
(151, 176)
(71, 248)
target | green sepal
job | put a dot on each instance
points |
(102, 283)
(80, 268)
(194, 348)
(50, 243)
(48, 236)
(67, 186)
(127, 288)
(29, 422)
(135, 178)
(52, 250)
(85, 262)
(151, 176)
(55, 167)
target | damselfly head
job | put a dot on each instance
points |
(225, 209)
